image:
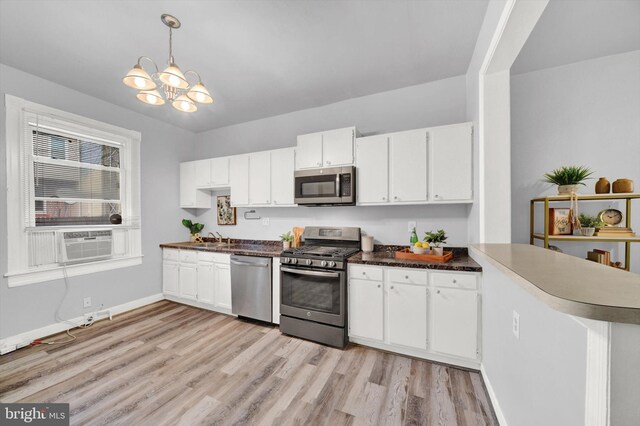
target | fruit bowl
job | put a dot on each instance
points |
(420, 250)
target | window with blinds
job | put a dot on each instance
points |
(74, 182)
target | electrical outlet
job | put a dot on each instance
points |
(410, 225)
(515, 326)
(265, 221)
(87, 302)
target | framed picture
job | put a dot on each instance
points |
(559, 221)
(226, 213)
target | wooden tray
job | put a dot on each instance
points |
(407, 255)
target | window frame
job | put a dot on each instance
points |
(21, 223)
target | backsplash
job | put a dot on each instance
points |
(387, 224)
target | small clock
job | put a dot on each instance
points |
(610, 217)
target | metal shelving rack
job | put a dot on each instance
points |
(590, 197)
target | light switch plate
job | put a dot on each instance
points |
(265, 221)
(410, 225)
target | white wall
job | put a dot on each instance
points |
(539, 379)
(586, 113)
(163, 146)
(625, 374)
(430, 104)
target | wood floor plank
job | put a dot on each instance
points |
(171, 364)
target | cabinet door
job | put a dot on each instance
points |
(222, 286)
(454, 319)
(170, 278)
(407, 315)
(337, 147)
(205, 283)
(203, 173)
(239, 180)
(282, 186)
(366, 311)
(372, 167)
(260, 178)
(187, 184)
(309, 151)
(450, 162)
(220, 171)
(408, 166)
(188, 281)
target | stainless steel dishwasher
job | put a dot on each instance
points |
(251, 287)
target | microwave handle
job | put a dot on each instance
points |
(338, 188)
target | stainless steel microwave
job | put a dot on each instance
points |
(329, 186)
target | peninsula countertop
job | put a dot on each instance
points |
(566, 283)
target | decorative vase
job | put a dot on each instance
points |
(603, 186)
(567, 189)
(587, 232)
(437, 251)
(196, 238)
(286, 245)
(622, 186)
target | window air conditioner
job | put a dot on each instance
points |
(85, 246)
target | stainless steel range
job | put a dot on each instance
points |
(313, 281)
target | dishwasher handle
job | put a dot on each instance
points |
(257, 265)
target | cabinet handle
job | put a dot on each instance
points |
(328, 162)
(437, 196)
(378, 285)
(267, 201)
(318, 164)
(364, 273)
(384, 198)
(438, 291)
(406, 277)
(395, 198)
(391, 287)
(455, 281)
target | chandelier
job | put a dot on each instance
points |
(173, 82)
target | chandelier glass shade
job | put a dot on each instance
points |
(182, 95)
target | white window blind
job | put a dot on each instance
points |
(71, 179)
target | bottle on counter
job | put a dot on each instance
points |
(413, 239)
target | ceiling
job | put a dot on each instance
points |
(258, 58)
(576, 30)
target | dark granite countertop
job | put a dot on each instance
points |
(265, 248)
(383, 255)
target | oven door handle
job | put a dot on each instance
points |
(311, 273)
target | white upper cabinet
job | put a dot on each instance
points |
(220, 172)
(239, 179)
(450, 163)
(408, 166)
(190, 195)
(325, 149)
(203, 173)
(309, 151)
(260, 178)
(372, 168)
(282, 165)
(337, 147)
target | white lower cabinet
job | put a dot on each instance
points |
(418, 312)
(197, 278)
(407, 315)
(454, 329)
(366, 309)
(222, 286)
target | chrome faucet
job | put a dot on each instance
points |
(220, 237)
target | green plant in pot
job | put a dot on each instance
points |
(194, 229)
(435, 239)
(286, 239)
(568, 178)
(589, 224)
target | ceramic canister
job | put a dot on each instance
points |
(367, 243)
(623, 186)
(603, 186)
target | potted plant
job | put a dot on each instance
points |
(435, 239)
(194, 229)
(588, 225)
(286, 239)
(568, 178)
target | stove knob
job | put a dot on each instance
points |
(294, 261)
(308, 262)
(323, 263)
(332, 264)
(285, 260)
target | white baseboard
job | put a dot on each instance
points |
(494, 399)
(24, 339)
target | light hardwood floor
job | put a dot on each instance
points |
(168, 364)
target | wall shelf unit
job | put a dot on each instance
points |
(545, 237)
